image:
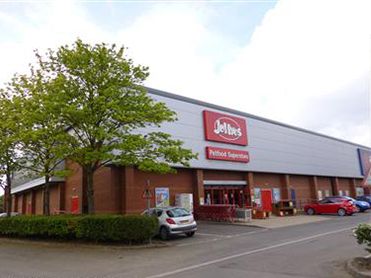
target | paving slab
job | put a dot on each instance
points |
(284, 221)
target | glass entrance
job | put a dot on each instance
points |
(224, 196)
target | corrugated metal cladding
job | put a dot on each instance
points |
(272, 147)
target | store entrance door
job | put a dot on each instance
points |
(266, 195)
(217, 195)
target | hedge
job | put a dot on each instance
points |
(133, 228)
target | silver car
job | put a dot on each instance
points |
(173, 221)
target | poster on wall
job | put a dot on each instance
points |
(162, 196)
(360, 191)
(257, 197)
(184, 200)
(320, 196)
(276, 195)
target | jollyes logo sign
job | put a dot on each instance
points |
(225, 128)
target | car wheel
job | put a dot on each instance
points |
(310, 211)
(341, 212)
(190, 234)
(164, 234)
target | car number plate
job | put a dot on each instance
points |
(184, 221)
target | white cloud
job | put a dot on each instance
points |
(305, 50)
(42, 26)
(303, 53)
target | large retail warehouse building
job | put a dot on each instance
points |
(242, 159)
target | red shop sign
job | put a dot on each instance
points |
(227, 154)
(224, 128)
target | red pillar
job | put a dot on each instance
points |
(24, 204)
(352, 183)
(33, 202)
(62, 196)
(286, 187)
(249, 189)
(335, 186)
(127, 189)
(15, 202)
(199, 190)
(314, 187)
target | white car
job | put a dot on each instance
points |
(173, 221)
(11, 214)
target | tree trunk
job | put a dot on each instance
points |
(7, 195)
(46, 197)
(84, 192)
(90, 189)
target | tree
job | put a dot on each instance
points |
(9, 156)
(42, 137)
(101, 99)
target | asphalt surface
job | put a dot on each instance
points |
(309, 250)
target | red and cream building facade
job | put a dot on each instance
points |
(242, 159)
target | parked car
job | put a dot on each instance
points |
(173, 221)
(362, 206)
(11, 214)
(365, 198)
(329, 205)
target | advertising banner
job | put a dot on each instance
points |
(227, 154)
(162, 197)
(224, 128)
(257, 197)
(276, 195)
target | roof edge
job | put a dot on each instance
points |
(240, 113)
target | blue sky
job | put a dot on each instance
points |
(301, 62)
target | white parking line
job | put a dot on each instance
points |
(206, 234)
(219, 237)
(179, 270)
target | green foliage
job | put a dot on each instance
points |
(363, 235)
(9, 154)
(134, 228)
(60, 227)
(41, 133)
(8, 135)
(98, 93)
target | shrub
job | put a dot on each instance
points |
(363, 235)
(134, 228)
(61, 227)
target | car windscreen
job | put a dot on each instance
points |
(177, 212)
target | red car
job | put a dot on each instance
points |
(331, 205)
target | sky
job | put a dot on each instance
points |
(305, 63)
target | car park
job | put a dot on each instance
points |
(331, 205)
(362, 206)
(173, 221)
